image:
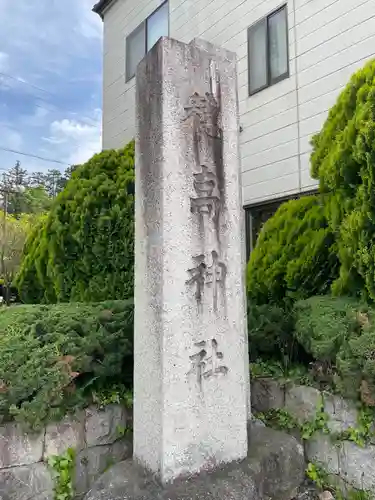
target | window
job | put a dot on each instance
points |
(143, 38)
(268, 51)
(258, 215)
(255, 218)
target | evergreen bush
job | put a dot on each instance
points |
(323, 324)
(356, 362)
(295, 255)
(52, 358)
(343, 160)
(84, 249)
(270, 332)
(339, 333)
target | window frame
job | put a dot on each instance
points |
(143, 24)
(270, 81)
(270, 205)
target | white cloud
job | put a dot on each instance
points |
(50, 70)
(76, 141)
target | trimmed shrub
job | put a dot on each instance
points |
(32, 289)
(52, 358)
(295, 255)
(324, 324)
(356, 361)
(84, 249)
(339, 333)
(270, 332)
(343, 160)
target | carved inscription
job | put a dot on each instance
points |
(207, 362)
(207, 178)
(198, 276)
(212, 276)
(215, 276)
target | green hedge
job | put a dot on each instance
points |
(324, 324)
(83, 251)
(271, 331)
(53, 358)
(339, 333)
(343, 160)
(295, 255)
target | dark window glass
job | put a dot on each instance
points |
(157, 25)
(268, 51)
(135, 50)
(144, 37)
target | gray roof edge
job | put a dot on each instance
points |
(100, 6)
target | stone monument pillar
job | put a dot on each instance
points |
(191, 359)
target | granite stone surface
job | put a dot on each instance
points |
(321, 450)
(190, 343)
(302, 402)
(24, 473)
(18, 447)
(342, 414)
(357, 466)
(267, 394)
(349, 465)
(102, 426)
(273, 469)
(69, 433)
(33, 482)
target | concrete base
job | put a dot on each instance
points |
(273, 469)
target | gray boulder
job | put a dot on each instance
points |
(273, 469)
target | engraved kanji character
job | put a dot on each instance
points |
(206, 364)
(215, 275)
(198, 276)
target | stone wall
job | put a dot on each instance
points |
(95, 435)
(352, 464)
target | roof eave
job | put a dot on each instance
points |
(100, 7)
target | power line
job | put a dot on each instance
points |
(50, 160)
(35, 97)
(20, 80)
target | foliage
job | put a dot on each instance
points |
(324, 324)
(13, 234)
(317, 475)
(356, 363)
(85, 248)
(123, 431)
(270, 332)
(43, 184)
(281, 419)
(117, 394)
(295, 255)
(53, 358)
(63, 468)
(318, 423)
(297, 374)
(339, 332)
(343, 160)
(32, 200)
(363, 433)
(28, 277)
(35, 200)
(325, 481)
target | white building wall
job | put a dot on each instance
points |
(328, 41)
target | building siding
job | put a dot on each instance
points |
(328, 41)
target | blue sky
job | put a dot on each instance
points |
(50, 82)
